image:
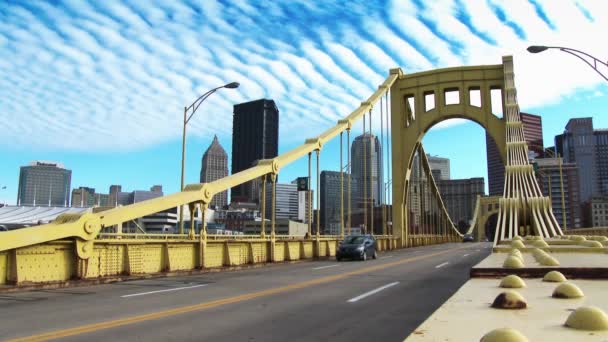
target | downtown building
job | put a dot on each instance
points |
(162, 222)
(459, 197)
(305, 198)
(366, 168)
(533, 133)
(255, 136)
(550, 179)
(440, 167)
(44, 184)
(588, 149)
(286, 201)
(330, 198)
(85, 197)
(597, 209)
(214, 165)
(330, 203)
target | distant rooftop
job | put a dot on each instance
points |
(13, 216)
(46, 163)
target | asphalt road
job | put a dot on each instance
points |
(376, 300)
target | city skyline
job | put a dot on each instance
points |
(132, 83)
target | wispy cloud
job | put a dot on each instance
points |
(90, 75)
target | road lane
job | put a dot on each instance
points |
(90, 306)
(372, 292)
(161, 291)
(324, 267)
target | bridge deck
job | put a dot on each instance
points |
(575, 261)
(467, 315)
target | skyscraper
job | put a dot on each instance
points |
(533, 132)
(214, 165)
(579, 147)
(442, 165)
(601, 159)
(44, 184)
(372, 180)
(330, 201)
(255, 136)
(548, 176)
(83, 197)
(113, 195)
(87, 197)
(286, 201)
(305, 198)
(459, 197)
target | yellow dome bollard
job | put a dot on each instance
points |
(512, 281)
(588, 318)
(504, 335)
(517, 244)
(567, 290)
(554, 277)
(513, 262)
(509, 300)
(540, 244)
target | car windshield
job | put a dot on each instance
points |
(353, 240)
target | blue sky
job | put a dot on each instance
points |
(100, 86)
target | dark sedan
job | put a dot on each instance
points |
(357, 247)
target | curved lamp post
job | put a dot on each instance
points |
(585, 57)
(194, 106)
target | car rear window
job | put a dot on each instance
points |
(353, 239)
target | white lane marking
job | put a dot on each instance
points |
(477, 250)
(322, 267)
(159, 291)
(466, 255)
(385, 257)
(441, 265)
(366, 294)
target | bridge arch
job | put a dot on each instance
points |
(421, 100)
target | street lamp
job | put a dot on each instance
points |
(194, 106)
(585, 57)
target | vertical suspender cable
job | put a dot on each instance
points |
(273, 177)
(349, 168)
(318, 196)
(263, 223)
(381, 172)
(364, 194)
(309, 195)
(388, 162)
(372, 149)
(341, 190)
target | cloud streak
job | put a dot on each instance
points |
(107, 76)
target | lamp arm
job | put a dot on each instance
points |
(194, 106)
(578, 54)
